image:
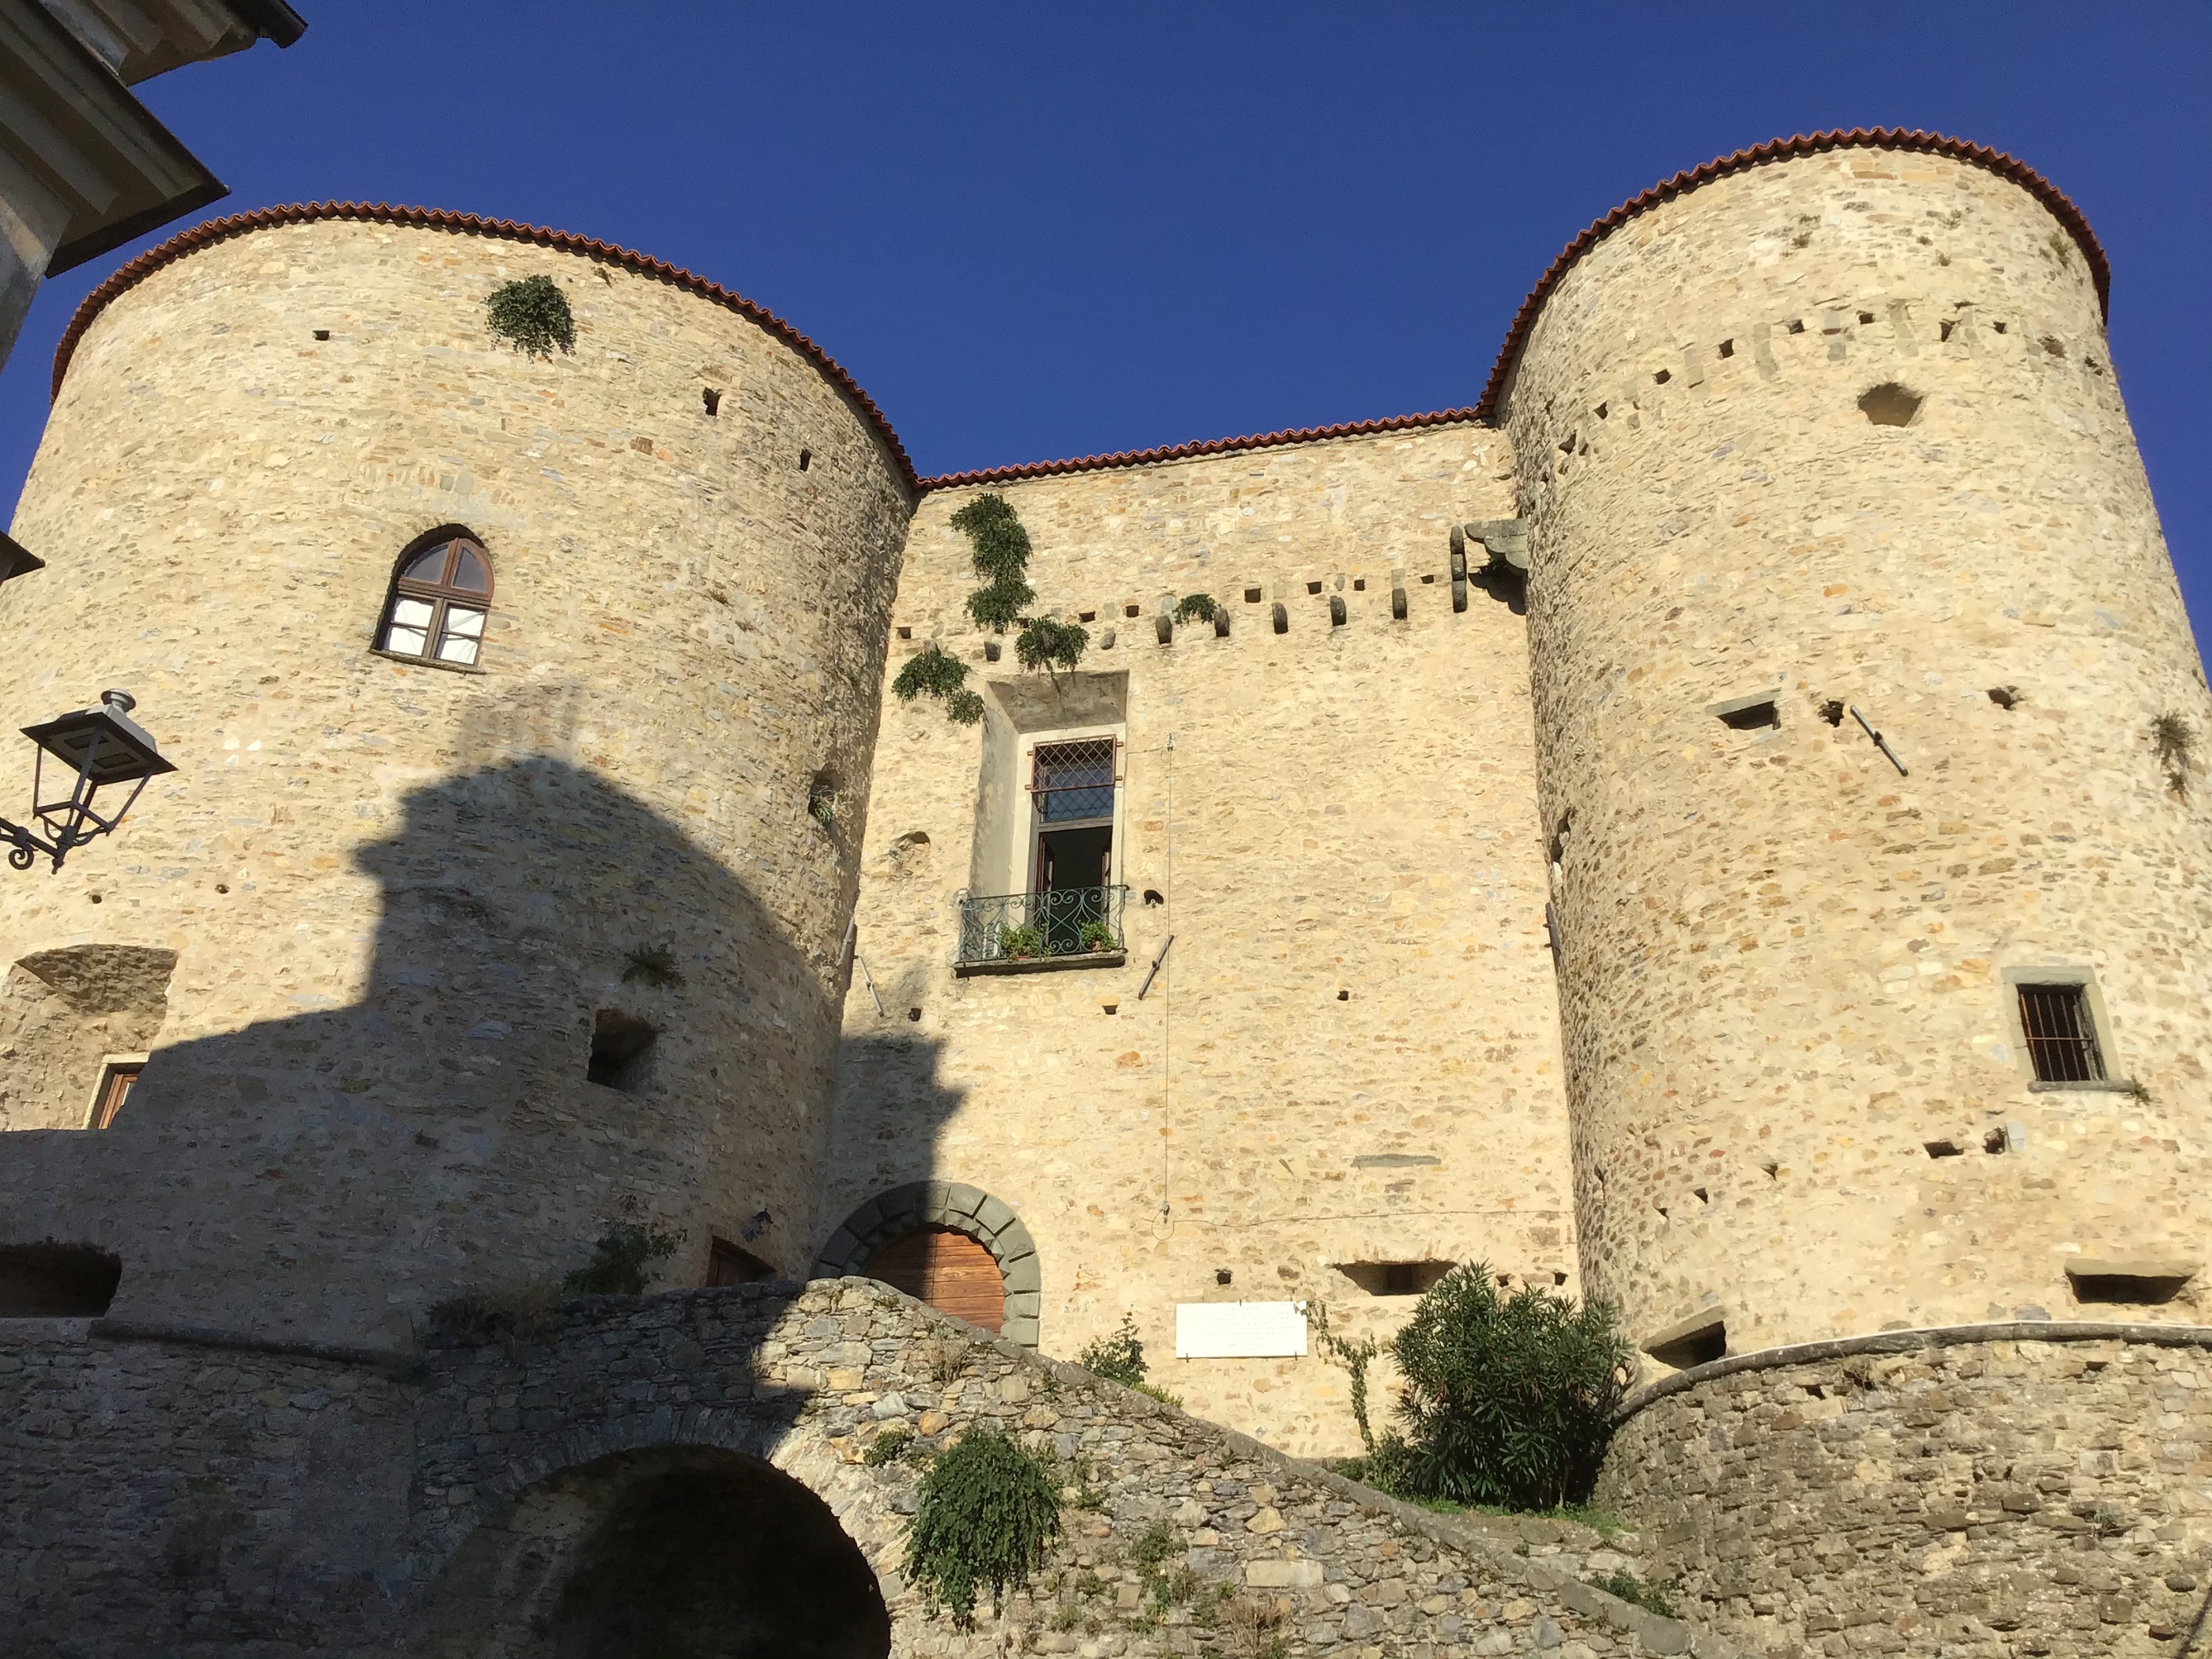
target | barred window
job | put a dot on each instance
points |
(440, 594)
(1074, 781)
(2062, 1037)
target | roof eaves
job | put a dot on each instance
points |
(1304, 434)
(215, 230)
(1779, 150)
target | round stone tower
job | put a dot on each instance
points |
(444, 966)
(1820, 442)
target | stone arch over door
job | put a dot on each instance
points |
(963, 1209)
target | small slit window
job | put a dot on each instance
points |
(2062, 1038)
(440, 594)
(115, 1086)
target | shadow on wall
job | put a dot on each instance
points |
(686, 1551)
(962, 1249)
(331, 1175)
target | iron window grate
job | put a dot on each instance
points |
(1073, 781)
(2062, 1040)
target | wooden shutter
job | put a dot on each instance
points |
(948, 1270)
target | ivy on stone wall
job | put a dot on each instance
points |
(532, 316)
(985, 1512)
(1001, 552)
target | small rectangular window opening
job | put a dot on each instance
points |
(1945, 1149)
(1697, 1347)
(1395, 1277)
(2062, 1038)
(1313, 587)
(1251, 595)
(2136, 1285)
(1748, 714)
(621, 1049)
(1728, 348)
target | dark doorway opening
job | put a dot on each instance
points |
(730, 1560)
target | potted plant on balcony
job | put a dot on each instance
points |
(1019, 943)
(1097, 936)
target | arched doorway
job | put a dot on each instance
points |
(948, 1270)
(680, 1553)
(901, 1237)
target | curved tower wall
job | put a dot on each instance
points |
(1786, 968)
(399, 897)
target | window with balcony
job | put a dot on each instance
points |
(1069, 914)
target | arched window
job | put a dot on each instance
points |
(438, 597)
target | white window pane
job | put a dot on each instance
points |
(469, 624)
(408, 642)
(454, 649)
(412, 613)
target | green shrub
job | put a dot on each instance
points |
(1097, 936)
(888, 1447)
(532, 316)
(930, 670)
(621, 1259)
(1652, 1598)
(1504, 1399)
(1020, 941)
(986, 1513)
(1154, 1391)
(1050, 644)
(1197, 607)
(1119, 1357)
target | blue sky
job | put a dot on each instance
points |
(1042, 231)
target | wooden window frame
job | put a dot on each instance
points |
(107, 1101)
(442, 597)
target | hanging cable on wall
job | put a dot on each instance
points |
(1167, 1002)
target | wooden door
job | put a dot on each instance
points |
(948, 1270)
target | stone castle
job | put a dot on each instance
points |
(1715, 824)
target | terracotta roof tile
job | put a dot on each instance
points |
(1304, 435)
(469, 224)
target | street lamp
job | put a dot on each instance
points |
(101, 748)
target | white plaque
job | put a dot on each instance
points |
(1240, 1330)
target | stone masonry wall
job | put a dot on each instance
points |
(399, 896)
(1979, 1495)
(1787, 1002)
(157, 1494)
(1350, 1053)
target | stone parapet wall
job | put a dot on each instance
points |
(204, 1493)
(1981, 1494)
(177, 1498)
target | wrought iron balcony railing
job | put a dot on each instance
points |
(1021, 929)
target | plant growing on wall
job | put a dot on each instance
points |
(2173, 738)
(1504, 1399)
(623, 1256)
(932, 672)
(1197, 607)
(1001, 552)
(985, 1511)
(1355, 1358)
(655, 965)
(532, 316)
(1119, 1357)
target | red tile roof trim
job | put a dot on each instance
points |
(1304, 434)
(469, 224)
(1780, 149)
